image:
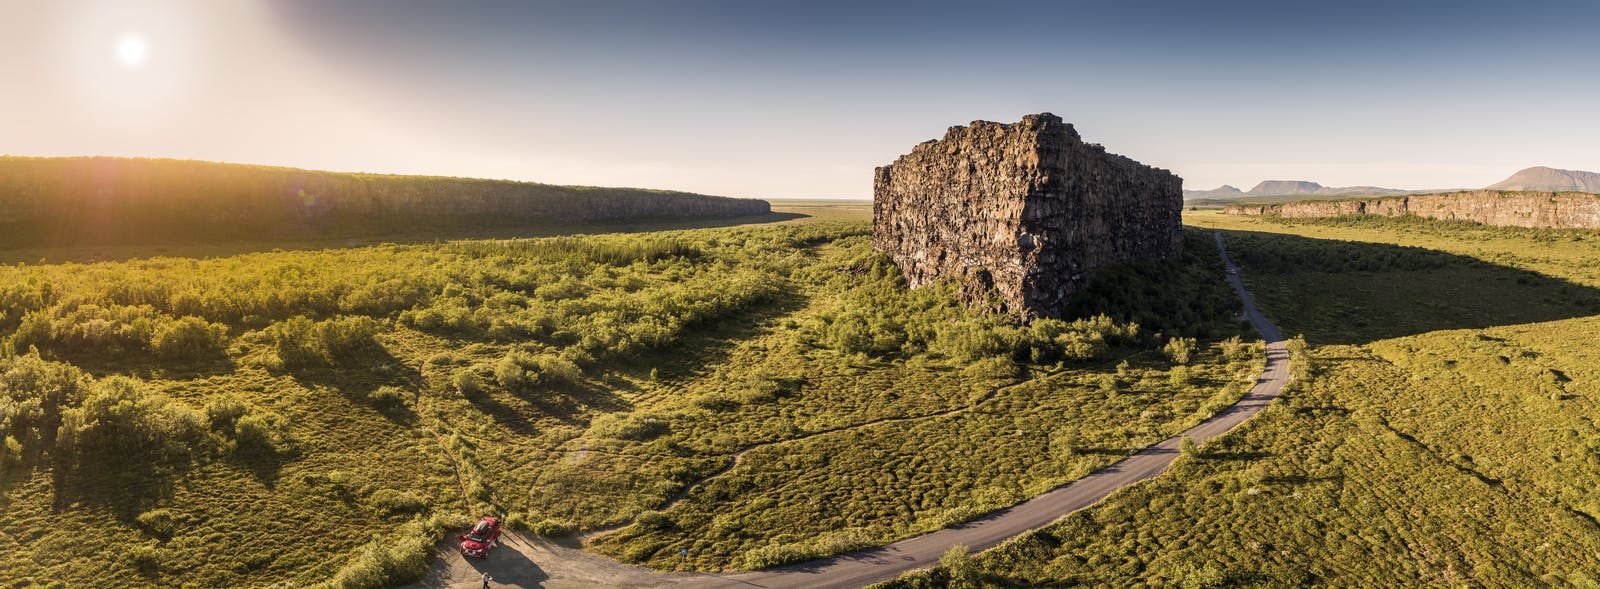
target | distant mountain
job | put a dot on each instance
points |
(1542, 179)
(1292, 187)
(1223, 191)
(1271, 187)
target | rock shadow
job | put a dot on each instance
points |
(1347, 292)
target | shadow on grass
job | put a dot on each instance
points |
(144, 365)
(358, 377)
(1345, 292)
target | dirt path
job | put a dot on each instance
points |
(526, 561)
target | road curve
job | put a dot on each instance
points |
(526, 561)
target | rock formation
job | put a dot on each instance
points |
(1026, 210)
(1489, 207)
(118, 200)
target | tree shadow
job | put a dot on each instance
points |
(1346, 292)
(143, 364)
(358, 377)
(125, 487)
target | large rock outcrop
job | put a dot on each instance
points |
(1028, 210)
(118, 200)
(1488, 207)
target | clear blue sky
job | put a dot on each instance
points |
(802, 99)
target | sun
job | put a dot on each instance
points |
(132, 50)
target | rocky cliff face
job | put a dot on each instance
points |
(1027, 209)
(116, 200)
(1489, 207)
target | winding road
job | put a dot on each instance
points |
(528, 561)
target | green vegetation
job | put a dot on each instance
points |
(230, 421)
(1448, 439)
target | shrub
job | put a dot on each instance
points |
(10, 452)
(33, 392)
(1179, 349)
(961, 567)
(388, 398)
(1187, 447)
(553, 528)
(521, 370)
(302, 342)
(653, 520)
(993, 367)
(1179, 376)
(509, 372)
(120, 420)
(759, 386)
(147, 558)
(773, 555)
(627, 426)
(225, 409)
(263, 431)
(189, 338)
(467, 382)
(1232, 348)
(294, 342)
(389, 502)
(158, 523)
(343, 337)
(389, 561)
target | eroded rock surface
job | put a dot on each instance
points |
(1028, 209)
(1489, 207)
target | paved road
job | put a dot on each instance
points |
(532, 562)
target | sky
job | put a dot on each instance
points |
(802, 99)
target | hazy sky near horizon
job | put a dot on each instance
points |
(803, 99)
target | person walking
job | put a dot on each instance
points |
(486, 579)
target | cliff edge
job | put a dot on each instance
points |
(119, 200)
(1573, 210)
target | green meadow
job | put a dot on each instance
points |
(1440, 431)
(322, 415)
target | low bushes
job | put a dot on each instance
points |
(301, 342)
(627, 426)
(121, 421)
(75, 328)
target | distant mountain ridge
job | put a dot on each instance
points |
(118, 201)
(1543, 179)
(1293, 187)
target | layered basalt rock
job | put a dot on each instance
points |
(119, 200)
(1575, 210)
(1027, 211)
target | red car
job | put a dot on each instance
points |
(477, 542)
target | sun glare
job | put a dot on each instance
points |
(132, 50)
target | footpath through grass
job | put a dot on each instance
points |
(1440, 431)
(325, 415)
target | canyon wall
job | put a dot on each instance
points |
(117, 200)
(1025, 210)
(1488, 207)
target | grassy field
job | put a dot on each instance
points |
(1442, 434)
(322, 415)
